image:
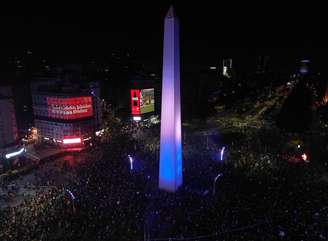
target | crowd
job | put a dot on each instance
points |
(104, 200)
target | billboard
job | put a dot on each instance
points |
(142, 101)
(72, 141)
(69, 108)
(135, 102)
(147, 101)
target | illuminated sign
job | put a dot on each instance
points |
(142, 101)
(147, 101)
(72, 141)
(69, 108)
(137, 118)
(135, 102)
(16, 153)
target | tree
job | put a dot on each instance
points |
(296, 112)
(111, 125)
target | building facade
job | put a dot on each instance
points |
(66, 113)
(8, 126)
(10, 147)
(227, 67)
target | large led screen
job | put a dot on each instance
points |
(69, 108)
(147, 101)
(135, 102)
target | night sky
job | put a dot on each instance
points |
(208, 31)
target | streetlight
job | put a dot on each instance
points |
(222, 153)
(214, 182)
(131, 162)
(72, 198)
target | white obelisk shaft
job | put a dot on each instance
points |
(170, 173)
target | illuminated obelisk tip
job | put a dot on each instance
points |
(170, 170)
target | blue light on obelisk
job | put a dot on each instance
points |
(170, 168)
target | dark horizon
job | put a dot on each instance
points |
(208, 32)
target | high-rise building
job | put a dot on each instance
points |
(8, 126)
(304, 66)
(262, 64)
(66, 113)
(170, 170)
(227, 67)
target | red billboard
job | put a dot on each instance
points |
(70, 108)
(142, 101)
(135, 102)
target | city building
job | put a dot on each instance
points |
(262, 64)
(8, 126)
(304, 66)
(227, 67)
(66, 113)
(10, 147)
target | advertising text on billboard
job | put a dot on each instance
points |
(69, 108)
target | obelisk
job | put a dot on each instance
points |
(170, 168)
